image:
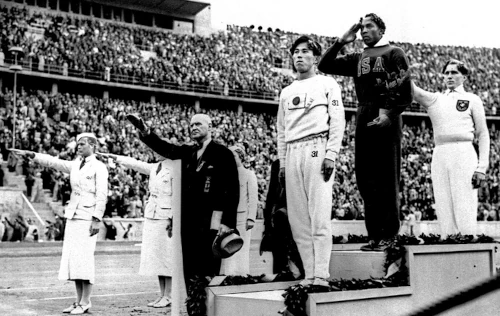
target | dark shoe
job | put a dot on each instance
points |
(383, 245)
(372, 244)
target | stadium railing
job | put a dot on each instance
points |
(144, 81)
(171, 85)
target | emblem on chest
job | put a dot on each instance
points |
(462, 105)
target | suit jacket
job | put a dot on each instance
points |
(208, 184)
(89, 185)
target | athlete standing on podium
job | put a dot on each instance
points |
(311, 123)
(383, 88)
(457, 171)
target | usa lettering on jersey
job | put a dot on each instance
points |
(364, 66)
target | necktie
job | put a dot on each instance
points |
(159, 168)
(83, 163)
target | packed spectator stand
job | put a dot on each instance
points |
(240, 62)
(49, 123)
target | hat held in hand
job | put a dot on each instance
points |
(227, 244)
(137, 121)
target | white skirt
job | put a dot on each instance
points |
(156, 249)
(77, 262)
(239, 263)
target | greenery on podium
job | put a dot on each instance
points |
(395, 267)
(296, 296)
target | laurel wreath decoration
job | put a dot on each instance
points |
(196, 296)
(296, 296)
(395, 266)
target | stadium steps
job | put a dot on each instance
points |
(56, 207)
(45, 211)
(13, 180)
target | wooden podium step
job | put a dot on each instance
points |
(253, 299)
(435, 272)
(356, 264)
(265, 303)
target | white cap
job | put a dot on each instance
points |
(80, 136)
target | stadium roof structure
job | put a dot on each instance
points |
(176, 7)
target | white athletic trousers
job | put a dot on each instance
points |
(453, 165)
(309, 204)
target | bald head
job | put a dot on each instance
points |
(200, 127)
(205, 119)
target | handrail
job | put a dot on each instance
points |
(184, 87)
(145, 81)
(33, 209)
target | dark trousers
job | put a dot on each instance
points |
(283, 245)
(378, 167)
(197, 240)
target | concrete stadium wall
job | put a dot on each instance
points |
(338, 228)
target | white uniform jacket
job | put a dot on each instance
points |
(311, 107)
(159, 205)
(457, 116)
(89, 185)
(247, 207)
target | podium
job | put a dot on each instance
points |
(435, 271)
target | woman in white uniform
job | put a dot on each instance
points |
(239, 263)
(89, 185)
(156, 251)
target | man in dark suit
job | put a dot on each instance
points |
(210, 192)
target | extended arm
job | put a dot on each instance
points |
(423, 97)
(129, 162)
(154, 142)
(162, 147)
(53, 162)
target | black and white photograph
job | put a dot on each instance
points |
(249, 158)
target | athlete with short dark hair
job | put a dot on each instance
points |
(383, 88)
(311, 122)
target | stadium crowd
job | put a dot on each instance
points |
(49, 123)
(238, 60)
